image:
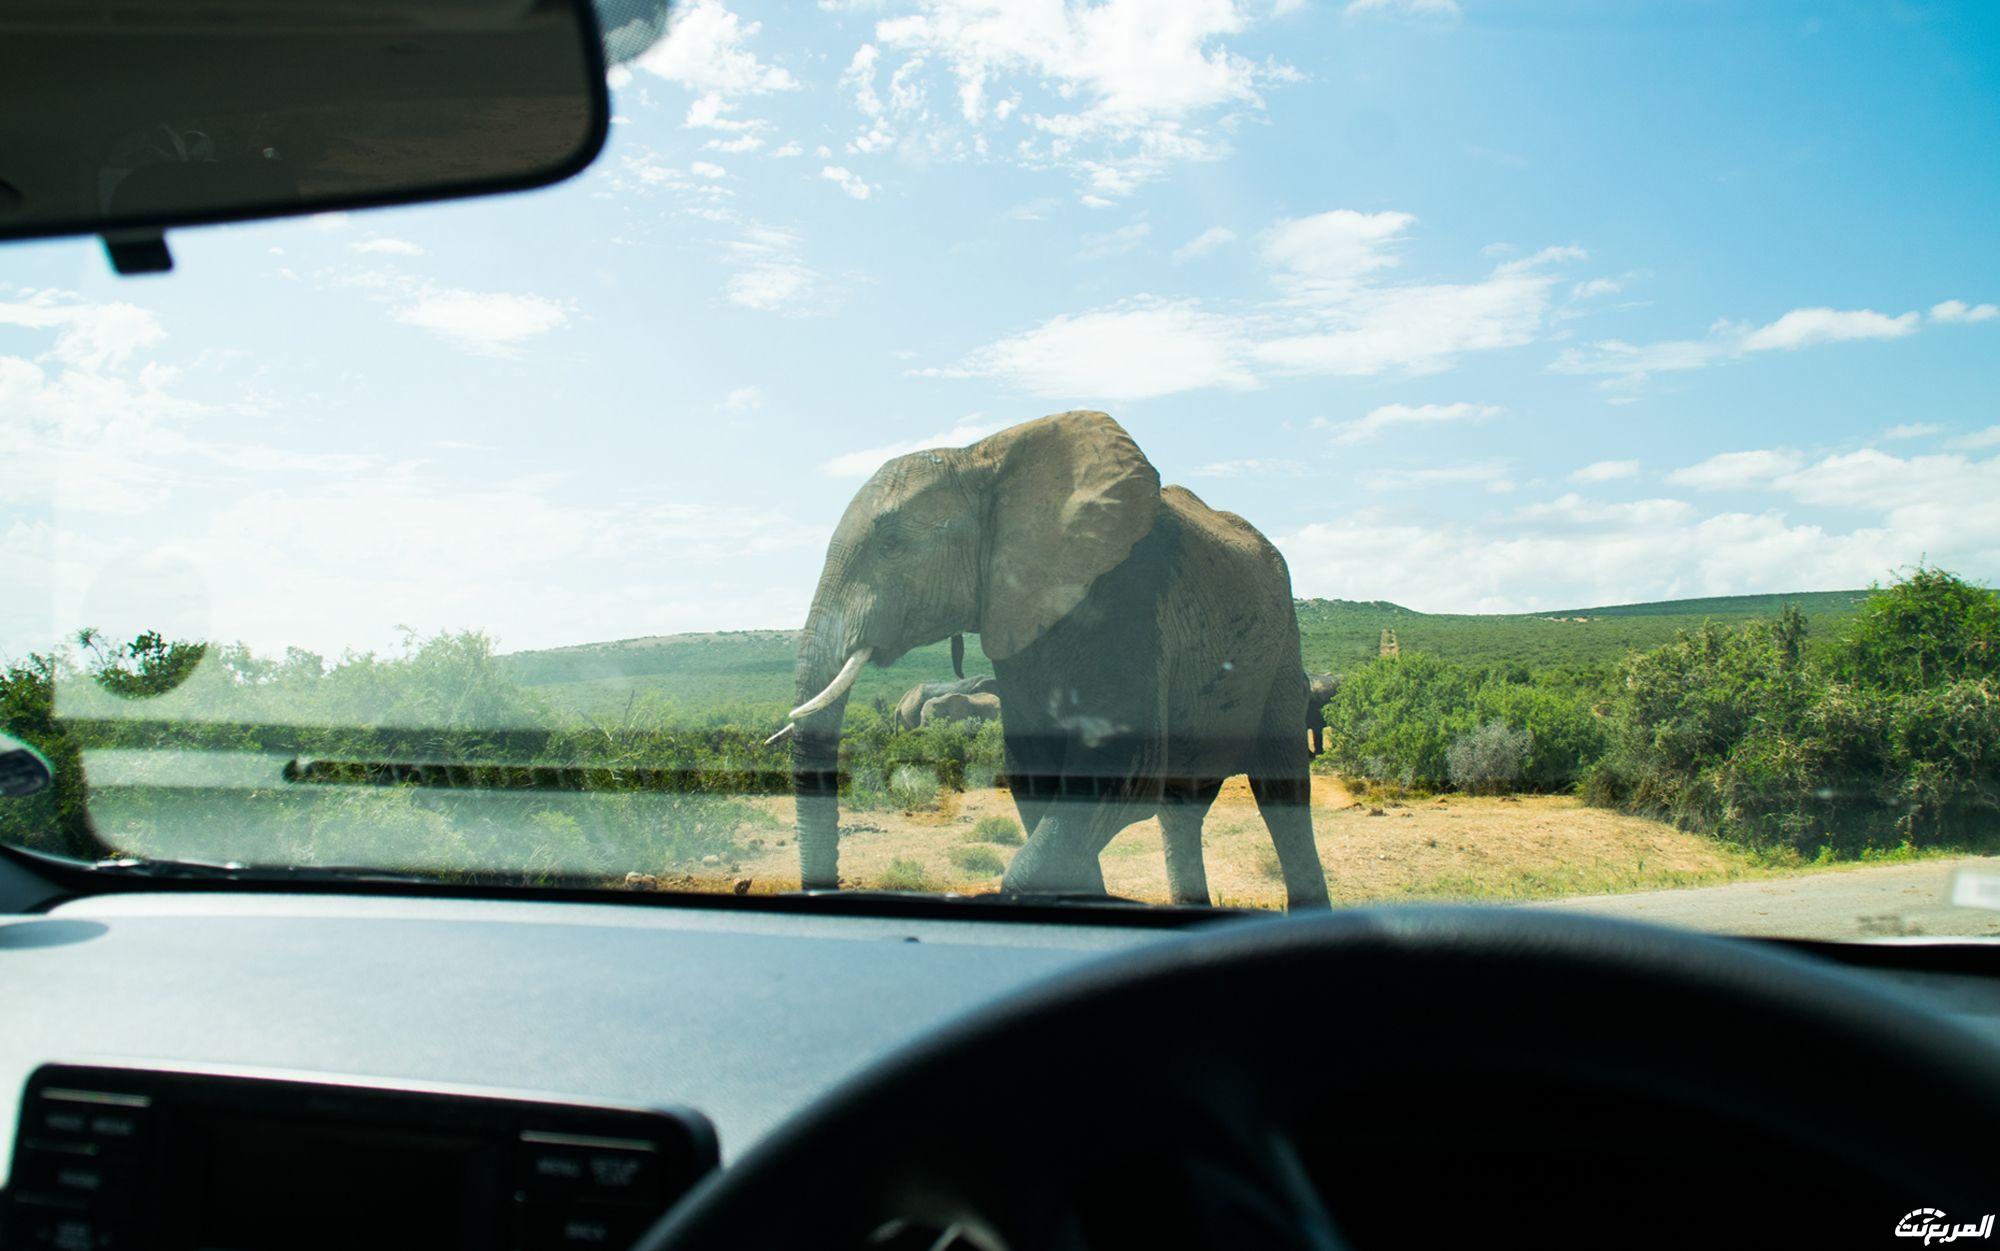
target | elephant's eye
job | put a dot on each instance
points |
(893, 544)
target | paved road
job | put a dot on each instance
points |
(1888, 900)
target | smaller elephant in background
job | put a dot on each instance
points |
(910, 709)
(1320, 690)
(983, 706)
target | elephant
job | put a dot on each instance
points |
(954, 707)
(1145, 648)
(1320, 690)
(910, 709)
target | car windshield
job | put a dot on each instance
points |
(1233, 452)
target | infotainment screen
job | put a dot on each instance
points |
(263, 1185)
(187, 1160)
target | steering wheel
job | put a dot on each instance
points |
(1379, 1077)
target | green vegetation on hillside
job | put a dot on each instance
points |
(1338, 634)
(1850, 722)
(1873, 729)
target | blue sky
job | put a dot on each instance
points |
(1485, 305)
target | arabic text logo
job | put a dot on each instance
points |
(1930, 1224)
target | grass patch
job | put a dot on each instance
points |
(979, 859)
(914, 788)
(1002, 831)
(906, 874)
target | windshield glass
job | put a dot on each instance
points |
(1249, 453)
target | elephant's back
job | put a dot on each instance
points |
(1228, 626)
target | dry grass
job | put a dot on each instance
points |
(1533, 847)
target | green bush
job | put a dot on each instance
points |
(906, 874)
(1396, 720)
(913, 788)
(1489, 759)
(1005, 831)
(1889, 737)
(977, 858)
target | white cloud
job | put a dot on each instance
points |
(1336, 313)
(1114, 92)
(1337, 247)
(1204, 243)
(487, 323)
(707, 50)
(1254, 467)
(847, 181)
(383, 245)
(1979, 439)
(1491, 474)
(862, 463)
(1135, 350)
(91, 336)
(1805, 327)
(1606, 471)
(1402, 8)
(744, 399)
(1913, 430)
(1736, 471)
(706, 169)
(771, 277)
(1958, 310)
(1595, 287)
(788, 148)
(1110, 243)
(1627, 366)
(1574, 554)
(712, 111)
(1386, 416)
(1346, 321)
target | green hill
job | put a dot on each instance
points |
(732, 669)
(1338, 633)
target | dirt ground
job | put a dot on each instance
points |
(1457, 847)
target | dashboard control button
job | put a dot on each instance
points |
(575, 1229)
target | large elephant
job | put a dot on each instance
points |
(1144, 646)
(956, 707)
(1320, 690)
(910, 709)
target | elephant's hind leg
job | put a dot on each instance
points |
(1183, 806)
(1283, 789)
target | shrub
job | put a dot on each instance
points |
(976, 858)
(906, 874)
(1889, 737)
(1488, 759)
(913, 788)
(1397, 722)
(1002, 830)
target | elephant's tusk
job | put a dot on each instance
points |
(782, 734)
(836, 688)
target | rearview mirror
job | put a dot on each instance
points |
(127, 117)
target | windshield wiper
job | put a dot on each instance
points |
(236, 871)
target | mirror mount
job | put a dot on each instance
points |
(138, 252)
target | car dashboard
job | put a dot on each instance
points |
(733, 1020)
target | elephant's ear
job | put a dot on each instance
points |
(1072, 495)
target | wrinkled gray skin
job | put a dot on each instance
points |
(982, 707)
(1320, 690)
(1144, 647)
(910, 709)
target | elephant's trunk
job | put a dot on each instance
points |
(822, 695)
